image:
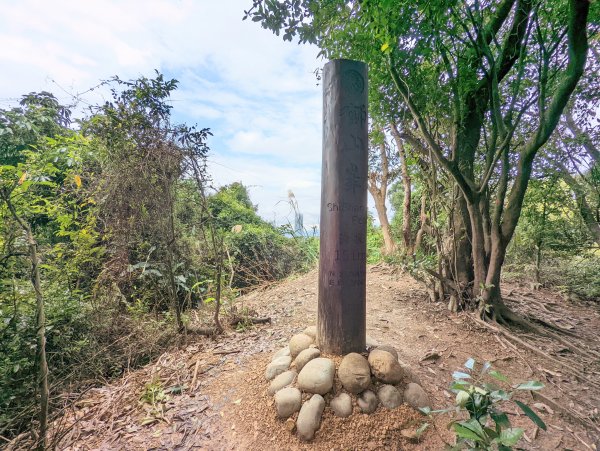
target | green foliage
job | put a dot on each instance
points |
(259, 252)
(553, 241)
(231, 206)
(374, 241)
(478, 395)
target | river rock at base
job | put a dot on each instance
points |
(354, 373)
(281, 381)
(283, 352)
(389, 349)
(311, 331)
(385, 366)
(306, 356)
(415, 396)
(277, 366)
(317, 376)
(299, 343)
(389, 396)
(287, 401)
(309, 418)
(341, 405)
(368, 402)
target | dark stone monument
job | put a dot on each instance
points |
(341, 318)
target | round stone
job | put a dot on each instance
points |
(415, 396)
(277, 366)
(283, 352)
(354, 373)
(306, 356)
(287, 401)
(385, 366)
(317, 376)
(389, 396)
(309, 418)
(281, 381)
(299, 343)
(311, 331)
(367, 402)
(341, 405)
(389, 349)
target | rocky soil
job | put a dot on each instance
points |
(213, 394)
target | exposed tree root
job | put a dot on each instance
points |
(235, 320)
(507, 316)
(565, 411)
(568, 367)
(207, 331)
(544, 323)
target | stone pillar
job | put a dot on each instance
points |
(341, 321)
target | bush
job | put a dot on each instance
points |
(261, 253)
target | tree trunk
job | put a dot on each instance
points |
(40, 326)
(423, 226)
(217, 321)
(379, 192)
(41, 339)
(478, 245)
(388, 240)
(585, 210)
(174, 300)
(462, 255)
(406, 185)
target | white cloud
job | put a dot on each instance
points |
(257, 93)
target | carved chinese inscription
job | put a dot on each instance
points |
(342, 312)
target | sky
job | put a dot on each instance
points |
(258, 94)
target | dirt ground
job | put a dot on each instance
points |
(212, 393)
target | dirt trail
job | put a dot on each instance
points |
(216, 393)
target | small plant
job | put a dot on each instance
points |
(154, 396)
(153, 392)
(487, 427)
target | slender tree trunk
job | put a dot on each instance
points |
(478, 244)
(377, 185)
(406, 185)
(40, 326)
(41, 339)
(586, 212)
(388, 240)
(173, 301)
(540, 242)
(462, 257)
(538, 261)
(423, 226)
(216, 318)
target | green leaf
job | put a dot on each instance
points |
(486, 367)
(500, 395)
(385, 46)
(474, 426)
(470, 364)
(530, 385)
(421, 429)
(532, 415)
(491, 433)
(501, 419)
(465, 432)
(499, 376)
(510, 436)
(457, 375)
(460, 385)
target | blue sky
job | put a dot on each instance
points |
(258, 94)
